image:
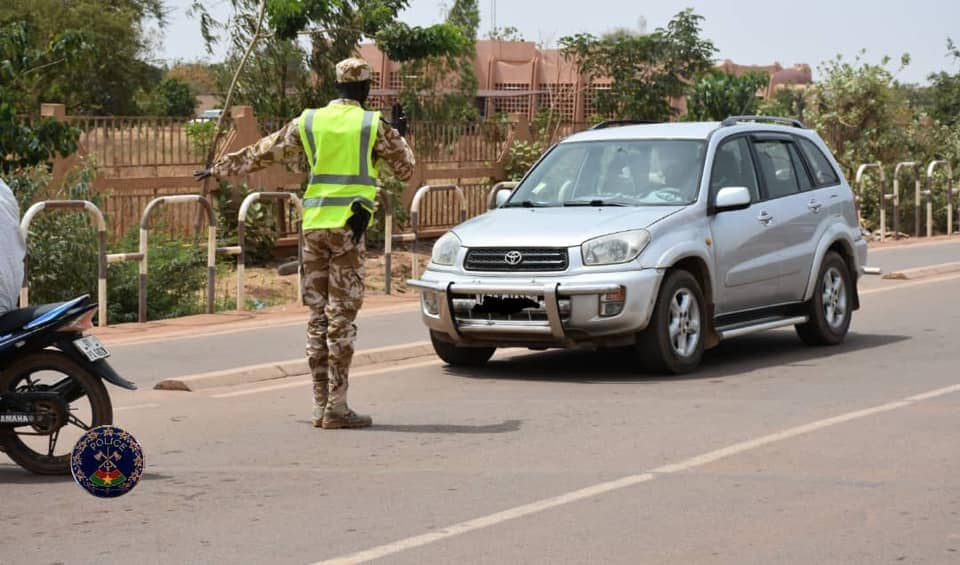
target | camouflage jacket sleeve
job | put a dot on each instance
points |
(275, 148)
(393, 149)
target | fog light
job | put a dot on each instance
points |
(430, 303)
(612, 303)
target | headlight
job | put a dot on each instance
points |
(614, 248)
(445, 250)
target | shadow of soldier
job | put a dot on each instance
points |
(507, 426)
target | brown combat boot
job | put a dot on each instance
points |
(348, 419)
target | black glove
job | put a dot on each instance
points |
(202, 174)
(359, 221)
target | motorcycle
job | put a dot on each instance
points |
(51, 383)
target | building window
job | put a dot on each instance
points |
(512, 104)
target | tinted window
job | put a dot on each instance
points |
(776, 168)
(733, 166)
(823, 173)
(806, 183)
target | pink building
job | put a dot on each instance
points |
(516, 77)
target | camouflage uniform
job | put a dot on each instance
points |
(333, 265)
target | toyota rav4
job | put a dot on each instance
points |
(664, 238)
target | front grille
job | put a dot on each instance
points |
(516, 259)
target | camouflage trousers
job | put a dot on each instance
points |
(333, 270)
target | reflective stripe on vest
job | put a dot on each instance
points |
(339, 175)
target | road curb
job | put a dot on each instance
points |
(291, 368)
(924, 272)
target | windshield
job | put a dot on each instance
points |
(649, 172)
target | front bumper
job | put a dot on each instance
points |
(569, 311)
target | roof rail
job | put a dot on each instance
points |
(734, 120)
(618, 123)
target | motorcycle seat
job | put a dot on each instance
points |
(16, 319)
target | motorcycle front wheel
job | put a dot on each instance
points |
(46, 449)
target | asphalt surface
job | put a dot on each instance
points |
(772, 452)
(148, 363)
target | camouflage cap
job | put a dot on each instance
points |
(354, 70)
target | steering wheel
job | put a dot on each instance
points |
(670, 194)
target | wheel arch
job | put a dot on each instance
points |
(842, 245)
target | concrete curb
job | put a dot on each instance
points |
(291, 368)
(924, 272)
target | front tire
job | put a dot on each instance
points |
(460, 356)
(673, 342)
(32, 372)
(831, 308)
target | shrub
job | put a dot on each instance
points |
(523, 155)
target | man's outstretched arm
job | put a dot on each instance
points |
(274, 148)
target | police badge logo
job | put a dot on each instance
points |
(107, 462)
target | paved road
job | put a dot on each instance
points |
(773, 452)
(148, 363)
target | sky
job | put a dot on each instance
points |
(746, 31)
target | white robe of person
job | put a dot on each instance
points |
(12, 250)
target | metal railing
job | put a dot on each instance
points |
(415, 213)
(240, 249)
(931, 168)
(83, 205)
(896, 198)
(211, 247)
(858, 195)
(384, 199)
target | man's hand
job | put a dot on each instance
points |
(202, 174)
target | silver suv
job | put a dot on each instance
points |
(665, 238)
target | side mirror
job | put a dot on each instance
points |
(501, 198)
(733, 198)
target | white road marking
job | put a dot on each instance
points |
(618, 484)
(137, 406)
(304, 382)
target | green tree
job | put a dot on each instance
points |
(117, 40)
(788, 102)
(172, 97)
(26, 143)
(718, 95)
(944, 91)
(508, 33)
(646, 70)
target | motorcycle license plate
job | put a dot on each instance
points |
(92, 348)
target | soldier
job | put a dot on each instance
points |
(337, 210)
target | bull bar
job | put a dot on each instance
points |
(551, 293)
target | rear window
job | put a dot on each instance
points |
(823, 173)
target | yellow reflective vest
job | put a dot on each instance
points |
(338, 141)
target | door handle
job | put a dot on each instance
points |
(814, 206)
(764, 218)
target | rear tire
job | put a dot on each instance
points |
(831, 308)
(673, 342)
(49, 360)
(457, 356)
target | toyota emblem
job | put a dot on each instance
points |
(513, 257)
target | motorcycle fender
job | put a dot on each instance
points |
(99, 368)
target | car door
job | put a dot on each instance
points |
(794, 218)
(746, 257)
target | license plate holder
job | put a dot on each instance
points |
(92, 348)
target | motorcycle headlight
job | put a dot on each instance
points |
(614, 248)
(445, 250)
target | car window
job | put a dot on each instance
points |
(803, 177)
(822, 170)
(733, 166)
(776, 168)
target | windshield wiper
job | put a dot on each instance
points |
(596, 202)
(526, 204)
